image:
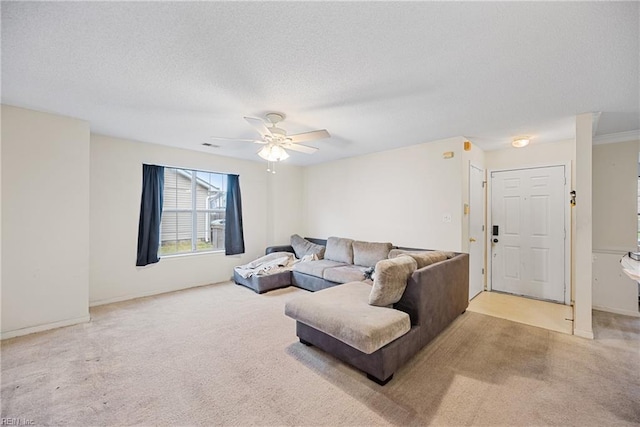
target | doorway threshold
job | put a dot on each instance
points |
(542, 314)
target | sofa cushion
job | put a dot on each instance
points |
(427, 258)
(393, 253)
(369, 253)
(339, 249)
(302, 247)
(343, 313)
(316, 268)
(390, 280)
(347, 273)
(424, 258)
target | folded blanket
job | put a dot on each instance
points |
(275, 262)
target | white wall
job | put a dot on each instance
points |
(45, 221)
(615, 192)
(533, 155)
(615, 225)
(1, 227)
(284, 201)
(399, 196)
(116, 182)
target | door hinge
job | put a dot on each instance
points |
(483, 228)
(483, 271)
(484, 183)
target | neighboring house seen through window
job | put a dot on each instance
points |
(193, 212)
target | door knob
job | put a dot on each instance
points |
(495, 240)
(471, 239)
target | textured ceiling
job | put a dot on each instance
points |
(377, 75)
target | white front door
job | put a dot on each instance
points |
(528, 232)
(476, 231)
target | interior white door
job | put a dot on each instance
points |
(476, 231)
(528, 232)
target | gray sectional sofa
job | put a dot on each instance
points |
(371, 324)
(344, 260)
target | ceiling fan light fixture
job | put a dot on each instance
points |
(521, 141)
(273, 153)
(276, 139)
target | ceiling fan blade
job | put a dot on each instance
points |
(301, 148)
(259, 125)
(309, 136)
(235, 139)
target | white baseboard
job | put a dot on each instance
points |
(583, 334)
(145, 294)
(617, 311)
(123, 298)
(45, 327)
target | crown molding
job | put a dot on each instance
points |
(611, 138)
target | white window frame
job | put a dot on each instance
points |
(194, 211)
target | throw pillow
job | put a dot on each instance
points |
(302, 247)
(427, 258)
(369, 253)
(390, 280)
(339, 249)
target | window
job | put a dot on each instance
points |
(193, 211)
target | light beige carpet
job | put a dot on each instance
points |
(223, 355)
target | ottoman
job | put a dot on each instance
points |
(263, 283)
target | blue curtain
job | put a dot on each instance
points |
(150, 214)
(233, 234)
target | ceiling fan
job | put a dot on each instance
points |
(275, 139)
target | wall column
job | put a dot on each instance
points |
(45, 221)
(582, 268)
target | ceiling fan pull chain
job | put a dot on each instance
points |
(271, 166)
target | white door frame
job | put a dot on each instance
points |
(484, 220)
(567, 225)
